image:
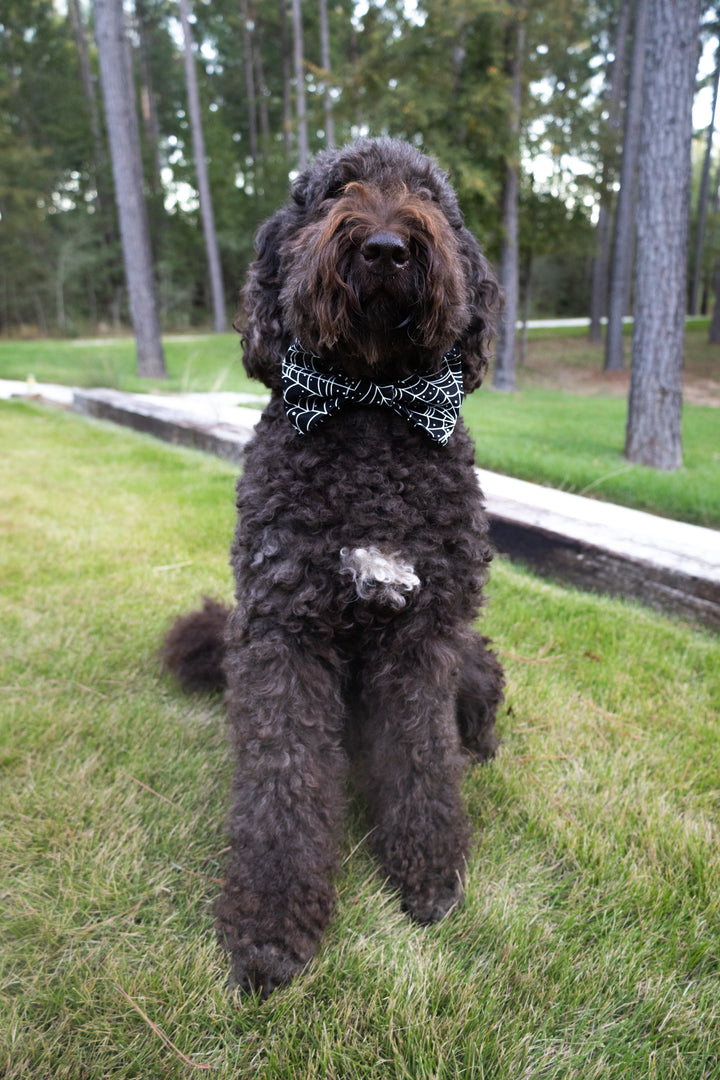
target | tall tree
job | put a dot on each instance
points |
(704, 193)
(623, 244)
(286, 77)
(325, 60)
(504, 372)
(201, 169)
(655, 406)
(300, 100)
(248, 53)
(122, 125)
(714, 331)
(148, 102)
(616, 96)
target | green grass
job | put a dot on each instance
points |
(575, 443)
(567, 440)
(200, 363)
(589, 945)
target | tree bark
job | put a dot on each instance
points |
(249, 80)
(300, 105)
(124, 137)
(504, 373)
(78, 29)
(206, 208)
(714, 332)
(261, 93)
(601, 260)
(527, 296)
(655, 406)
(703, 194)
(286, 66)
(325, 61)
(100, 166)
(148, 110)
(622, 256)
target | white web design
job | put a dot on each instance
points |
(428, 402)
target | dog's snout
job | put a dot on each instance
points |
(385, 252)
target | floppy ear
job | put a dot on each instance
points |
(261, 324)
(485, 302)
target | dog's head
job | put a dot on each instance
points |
(371, 267)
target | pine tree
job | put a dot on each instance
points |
(623, 241)
(122, 125)
(616, 97)
(300, 99)
(655, 405)
(201, 171)
(504, 372)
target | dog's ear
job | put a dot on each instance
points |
(485, 302)
(261, 323)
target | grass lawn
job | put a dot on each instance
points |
(589, 944)
(564, 428)
(200, 363)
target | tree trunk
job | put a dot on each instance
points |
(148, 102)
(286, 66)
(527, 295)
(714, 332)
(100, 170)
(325, 61)
(78, 30)
(206, 208)
(249, 80)
(703, 194)
(504, 373)
(300, 106)
(655, 406)
(121, 119)
(622, 256)
(601, 260)
(261, 93)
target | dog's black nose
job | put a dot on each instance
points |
(385, 253)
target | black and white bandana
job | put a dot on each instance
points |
(428, 402)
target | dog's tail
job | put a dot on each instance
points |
(194, 647)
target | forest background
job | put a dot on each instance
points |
(441, 77)
(535, 107)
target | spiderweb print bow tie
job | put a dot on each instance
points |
(428, 402)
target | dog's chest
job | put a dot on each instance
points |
(366, 509)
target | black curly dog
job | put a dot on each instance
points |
(360, 554)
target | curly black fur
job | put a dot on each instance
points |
(318, 669)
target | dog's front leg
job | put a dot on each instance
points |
(285, 713)
(412, 769)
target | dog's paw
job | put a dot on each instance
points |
(432, 905)
(262, 969)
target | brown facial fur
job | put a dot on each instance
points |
(309, 280)
(395, 322)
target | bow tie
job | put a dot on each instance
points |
(428, 402)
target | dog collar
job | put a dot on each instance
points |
(430, 403)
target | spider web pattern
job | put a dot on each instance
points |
(430, 403)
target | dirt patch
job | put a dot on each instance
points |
(574, 366)
(696, 389)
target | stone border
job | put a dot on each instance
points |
(669, 565)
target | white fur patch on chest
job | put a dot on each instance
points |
(384, 578)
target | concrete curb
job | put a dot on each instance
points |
(668, 565)
(671, 566)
